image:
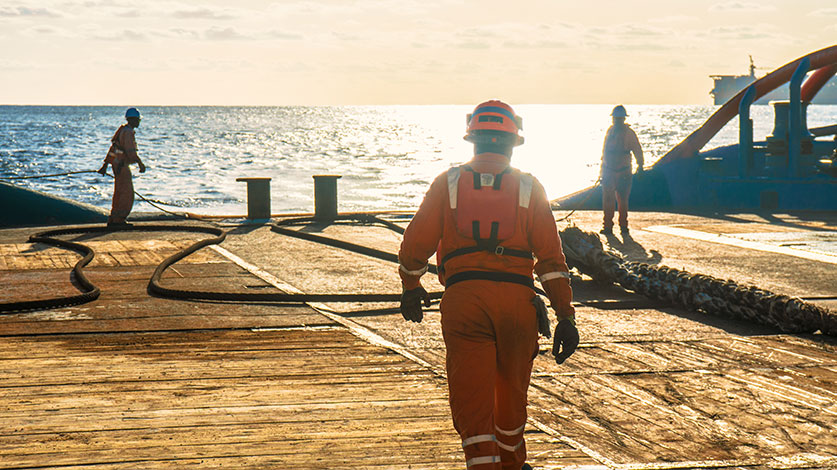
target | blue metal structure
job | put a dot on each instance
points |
(792, 169)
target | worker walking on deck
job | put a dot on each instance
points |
(616, 173)
(121, 154)
(488, 223)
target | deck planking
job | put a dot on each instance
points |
(132, 381)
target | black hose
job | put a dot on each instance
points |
(155, 288)
(89, 292)
(47, 176)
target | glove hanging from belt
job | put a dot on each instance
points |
(543, 316)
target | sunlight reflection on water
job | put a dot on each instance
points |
(387, 154)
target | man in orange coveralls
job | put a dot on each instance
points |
(122, 153)
(487, 223)
(620, 142)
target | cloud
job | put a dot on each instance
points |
(28, 12)
(672, 19)
(223, 34)
(474, 45)
(740, 7)
(542, 44)
(202, 14)
(122, 35)
(129, 14)
(276, 34)
(184, 33)
(744, 32)
(824, 12)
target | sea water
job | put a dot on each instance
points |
(387, 155)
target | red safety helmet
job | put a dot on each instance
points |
(494, 115)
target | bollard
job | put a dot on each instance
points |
(258, 197)
(325, 197)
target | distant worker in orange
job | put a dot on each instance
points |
(491, 226)
(620, 142)
(122, 153)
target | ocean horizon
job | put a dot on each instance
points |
(387, 155)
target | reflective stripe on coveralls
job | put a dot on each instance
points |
(554, 275)
(482, 460)
(416, 272)
(516, 433)
(477, 439)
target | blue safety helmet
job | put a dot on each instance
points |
(132, 113)
(619, 111)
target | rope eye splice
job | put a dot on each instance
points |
(90, 292)
(696, 292)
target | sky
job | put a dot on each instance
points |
(338, 52)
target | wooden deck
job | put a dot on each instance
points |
(132, 381)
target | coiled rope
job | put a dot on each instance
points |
(696, 292)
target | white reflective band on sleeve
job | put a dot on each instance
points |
(417, 272)
(509, 448)
(553, 275)
(510, 433)
(482, 460)
(477, 439)
(526, 182)
(453, 185)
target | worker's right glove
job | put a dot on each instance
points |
(565, 340)
(411, 301)
(103, 170)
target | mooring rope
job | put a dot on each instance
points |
(696, 292)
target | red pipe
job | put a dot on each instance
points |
(696, 140)
(816, 81)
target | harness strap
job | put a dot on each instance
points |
(497, 250)
(491, 276)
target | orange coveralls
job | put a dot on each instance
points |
(122, 153)
(489, 327)
(620, 141)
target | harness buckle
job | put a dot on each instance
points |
(498, 250)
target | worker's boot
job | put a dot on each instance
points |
(526, 466)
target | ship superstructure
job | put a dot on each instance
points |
(727, 86)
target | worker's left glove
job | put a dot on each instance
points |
(141, 168)
(411, 301)
(565, 340)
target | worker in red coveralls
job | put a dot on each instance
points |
(122, 153)
(488, 223)
(617, 175)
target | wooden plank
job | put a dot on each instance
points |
(301, 398)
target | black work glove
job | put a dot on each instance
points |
(566, 335)
(411, 303)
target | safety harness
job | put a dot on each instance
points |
(488, 206)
